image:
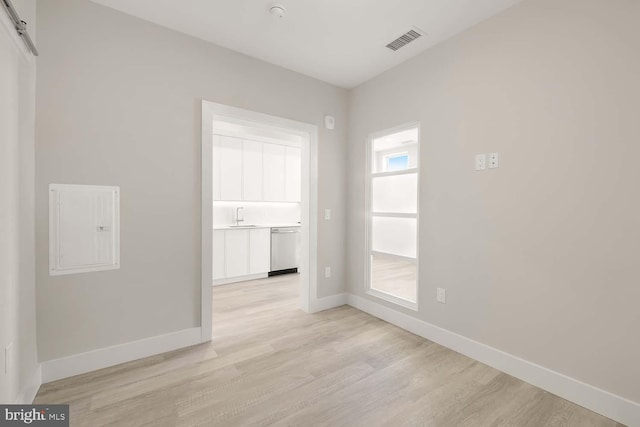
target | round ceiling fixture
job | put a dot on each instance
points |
(278, 10)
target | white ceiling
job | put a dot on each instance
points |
(339, 41)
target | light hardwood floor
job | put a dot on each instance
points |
(394, 276)
(271, 364)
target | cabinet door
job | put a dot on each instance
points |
(230, 168)
(293, 173)
(273, 172)
(259, 250)
(236, 252)
(252, 170)
(218, 254)
(216, 167)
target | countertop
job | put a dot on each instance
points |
(244, 227)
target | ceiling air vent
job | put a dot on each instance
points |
(405, 39)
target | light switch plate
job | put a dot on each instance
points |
(327, 214)
(327, 272)
(481, 162)
(442, 296)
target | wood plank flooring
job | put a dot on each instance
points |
(271, 364)
(394, 275)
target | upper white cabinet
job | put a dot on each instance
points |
(255, 171)
(292, 174)
(274, 172)
(84, 228)
(252, 170)
(230, 168)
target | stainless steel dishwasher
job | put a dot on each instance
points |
(285, 250)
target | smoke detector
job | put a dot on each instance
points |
(278, 10)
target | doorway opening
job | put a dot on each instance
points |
(259, 206)
(392, 215)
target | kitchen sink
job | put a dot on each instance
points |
(243, 226)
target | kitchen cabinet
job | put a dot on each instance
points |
(236, 249)
(259, 250)
(274, 172)
(241, 254)
(293, 174)
(252, 170)
(230, 152)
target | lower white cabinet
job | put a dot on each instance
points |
(236, 250)
(241, 254)
(259, 250)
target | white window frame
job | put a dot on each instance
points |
(369, 214)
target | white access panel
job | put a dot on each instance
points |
(84, 228)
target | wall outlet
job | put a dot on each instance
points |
(494, 160)
(442, 295)
(481, 162)
(327, 214)
(327, 272)
(8, 359)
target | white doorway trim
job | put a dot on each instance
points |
(309, 205)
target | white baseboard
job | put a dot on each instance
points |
(219, 282)
(329, 302)
(77, 364)
(30, 389)
(610, 405)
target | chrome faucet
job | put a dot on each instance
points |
(239, 215)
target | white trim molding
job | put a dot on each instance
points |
(77, 364)
(603, 402)
(229, 280)
(327, 303)
(28, 393)
(211, 112)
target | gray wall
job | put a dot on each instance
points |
(118, 103)
(540, 257)
(17, 241)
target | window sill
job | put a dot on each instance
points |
(392, 299)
